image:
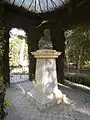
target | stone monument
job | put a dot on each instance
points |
(45, 92)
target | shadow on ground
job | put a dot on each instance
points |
(23, 109)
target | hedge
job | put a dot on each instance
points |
(2, 85)
(83, 79)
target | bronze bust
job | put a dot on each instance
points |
(44, 42)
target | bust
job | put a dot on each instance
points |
(44, 42)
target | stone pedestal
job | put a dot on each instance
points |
(45, 91)
(46, 77)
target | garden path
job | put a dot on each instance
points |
(23, 109)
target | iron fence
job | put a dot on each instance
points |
(19, 73)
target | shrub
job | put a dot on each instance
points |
(2, 86)
(83, 79)
(2, 95)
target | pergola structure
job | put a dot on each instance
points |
(30, 14)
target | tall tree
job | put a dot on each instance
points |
(18, 48)
(77, 45)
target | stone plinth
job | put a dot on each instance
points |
(46, 77)
(45, 92)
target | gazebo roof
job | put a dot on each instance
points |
(65, 12)
(38, 6)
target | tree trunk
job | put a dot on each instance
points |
(67, 61)
(79, 60)
(22, 52)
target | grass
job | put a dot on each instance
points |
(20, 73)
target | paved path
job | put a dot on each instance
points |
(18, 78)
(23, 109)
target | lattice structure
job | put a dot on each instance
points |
(38, 6)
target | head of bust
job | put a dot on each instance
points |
(44, 42)
(46, 32)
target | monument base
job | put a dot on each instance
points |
(45, 92)
(41, 100)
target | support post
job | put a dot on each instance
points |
(58, 40)
(33, 36)
(6, 58)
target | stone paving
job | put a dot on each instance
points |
(23, 109)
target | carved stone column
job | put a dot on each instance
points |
(45, 92)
